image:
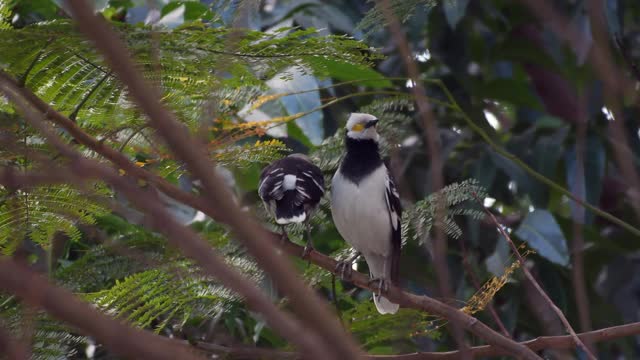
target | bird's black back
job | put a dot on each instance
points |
(309, 187)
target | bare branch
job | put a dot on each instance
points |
(198, 203)
(13, 348)
(308, 305)
(182, 237)
(62, 304)
(432, 137)
(537, 344)
(541, 291)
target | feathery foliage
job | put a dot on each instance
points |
(5, 13)
(41, 212)
(418, 220)
(61, 67)
(50, 338)
(375, 19)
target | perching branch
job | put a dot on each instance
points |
(199, 203)
(432, 137)
(310, 308)
(82, 169)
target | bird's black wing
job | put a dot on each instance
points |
(395, 215)
(270, 185)
(310, 185)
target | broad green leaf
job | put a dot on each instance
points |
(344, 71)
(193, 10)
(510, 90)
(541, 231)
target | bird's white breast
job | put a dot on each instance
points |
(360, 212)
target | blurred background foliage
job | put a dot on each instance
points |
(259, 79)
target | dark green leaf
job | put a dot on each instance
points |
(541, 231)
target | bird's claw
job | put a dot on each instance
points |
(344, 269)
(383, 285)
(306, 251)
(284, 238)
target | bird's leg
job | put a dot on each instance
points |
(345, 267)
(283, 236)
(383, 285)
(383, 282)
(309, 246)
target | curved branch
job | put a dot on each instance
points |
(207, 207)
(82, 169)
(310, 308)
(62, 304)
(537, 344)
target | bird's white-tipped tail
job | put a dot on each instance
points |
(385, 306)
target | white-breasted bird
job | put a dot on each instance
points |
(365, 205)
(291, 189)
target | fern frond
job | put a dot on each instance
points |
(51, 339)
(375, 19)
(395, 114)
(41, 212)
(257, 153)
(5, 15)
(63, 69)
(418, 220)
(375, 329)
(168, 295)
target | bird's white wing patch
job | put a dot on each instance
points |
(289, 182)
(393, 201)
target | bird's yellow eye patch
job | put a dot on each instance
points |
(357, 127)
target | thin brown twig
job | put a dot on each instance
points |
(577, 245)
(537, 344)
(533, 281)
(314, 312)
(189, 199)
(182, 237)
(122, 339)
(431, 133)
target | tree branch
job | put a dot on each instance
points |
(537, 344)
(16, 179)
(537, 286)
(432, 137)
(182, 237)
(62, 304)
(308, 305)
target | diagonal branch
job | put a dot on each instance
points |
(308, 305)
(182, 237)
(62, 304)
(537, 344)
(432, 135)
(13, 179)
(537, 286)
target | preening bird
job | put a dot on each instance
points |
(291, 189)
(365, 206)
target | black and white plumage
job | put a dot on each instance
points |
(365, 205)
(291, 189)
